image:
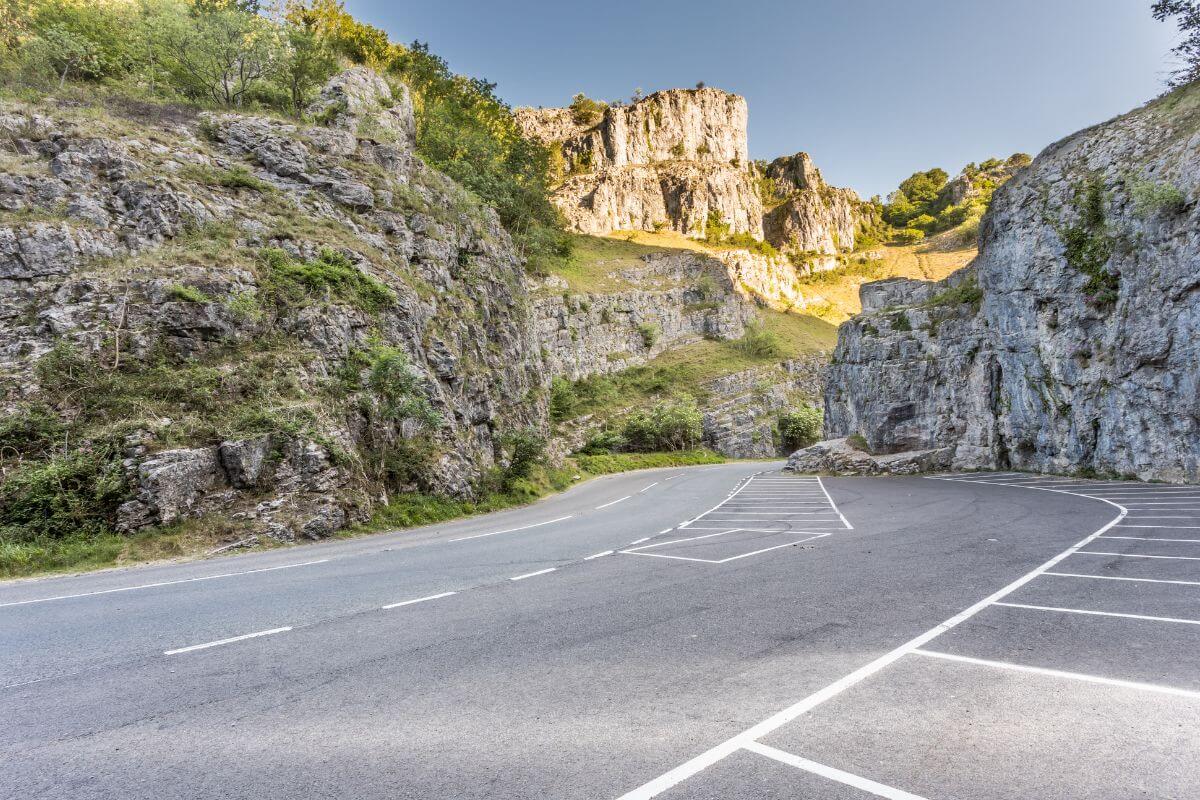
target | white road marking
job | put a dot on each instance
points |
(845, 521)
(1117, 578)
(1135, 555)
(850, 779)
(1179, 527)
(419, 600)
(532, 574)
(614, 502)
(648, 487)
(643, 539)
(673, 477)
(1152, 539)
(1099, 613)
(714, 754)
(225, 641)
(1079, 676)
(163, 583)
(640, 551)
(598, 555)
(513, 530)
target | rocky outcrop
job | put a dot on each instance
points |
(808, 215)
(672, 300)
(741, 410)
(1070, 345)
(274, 262)
(665, 161)
(840, 457)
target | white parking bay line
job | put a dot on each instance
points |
(614, 502)
(226, 641)
(164, 583)
(512, 530)
(1135, 555)
(532, 574)
(419, 600)
(850, 779)
(1119, 578)
(1099, 613)
(1152, 539)
(1079, 676)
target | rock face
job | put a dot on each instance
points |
(672, 159)
(130, 242)
(1071, 343)
(673, 300)
(666, 161)
(810, 216)
(741, 415)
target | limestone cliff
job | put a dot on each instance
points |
(807, 214)
(666, 161)
(274, 321)
(1071, 343)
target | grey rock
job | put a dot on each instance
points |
(170, 484)
(839, 457)
(246, 461)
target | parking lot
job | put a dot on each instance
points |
(1078, 680)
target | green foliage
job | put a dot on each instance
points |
(188, 294)
(606, 463)
(858, 442)
(909, 236)
(649, 334)
(331, 274)
(965, 293)
(670, 425)
(398, 387)
(65, 495)
(32, 430)
(901, 322)
(1088, 245)
(1150, 198)
(922, 204)
(719, 233)
(800, 427)
(238, 177)
(563, 399)
(1188, 49)
(706, 288)
(586, 111)
(759, 342)
(525, 450)
(678, 150)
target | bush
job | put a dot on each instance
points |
(399, 387)
(667, 426)
(585, 110)
(909, 236)
(525, 450)
(649, 334)
(67, 495)
(1150, 198)
(759, 342)
(800, 428)
(188, 294)
(291, 282)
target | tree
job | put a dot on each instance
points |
(305, 64)
(1188, 50)
(218, 52)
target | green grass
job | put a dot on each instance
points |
(608, 463)
(594, 262)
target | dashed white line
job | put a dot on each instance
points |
(164, 583)
(1079, 676)
(598, 555)
(850, 779)
(513, 530)
(643, 539)
(419, 600)
(532, 574)
(651, 486)
(225, 641)
(1099, 613)
(614, 502)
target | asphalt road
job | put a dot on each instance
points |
(722, 632)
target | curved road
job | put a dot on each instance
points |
(714, 632)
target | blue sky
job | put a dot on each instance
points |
(873, 89)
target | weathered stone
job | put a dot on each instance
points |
(171, 483)
(1044, 372)
(246, 461)
(839, 457)
(359, 94)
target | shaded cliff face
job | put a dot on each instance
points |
(265, 312)
(1078, 350)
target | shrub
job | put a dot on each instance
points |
(563, 399)
(67, 495)
(800, 427)
(901, 322)
(291, 282)
(909, 236)
(188, 294)
(605, 441)
(858, 442)
(673, 425)
(649, 334)
(31, 430)
(399, 387)
(678, 150)
(965, 293)
(525, 450)
(1088, 246)
(585, 110)
(1150, 198)
(759, 342)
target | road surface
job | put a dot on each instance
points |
(715, 632)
